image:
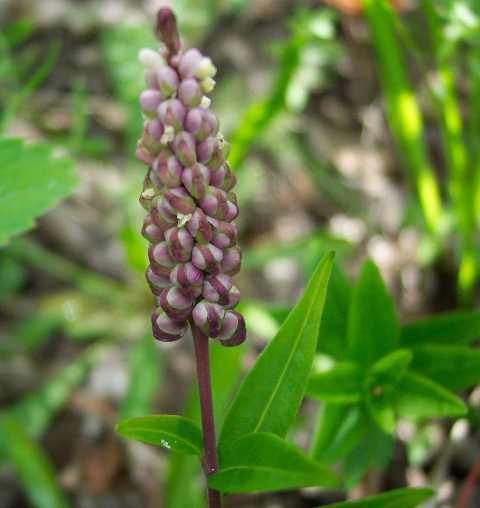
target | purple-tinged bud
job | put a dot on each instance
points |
(150, 76)
(207, 257)
(233, 330)
(233, 298)
(172, 112)
(180, 244)
(201, 123)
(179, 200)
(166, 30)
(214, 203)
(160, 255)
(143, 155)
(155, 130)
(186, 275)
(176, 303)
(189, 62)
(199, 227)
(159, 320)
(196, 180)
(160, 221)
(190, 93)
(208, 317)
(157, 280)
(223, 178)
(184, 148)
(167, 80)
(232, 259)
(219, 154)
(150, 58)
(149, 101)
(216, 288)
(206, 70)
(205, 149)
(224, 234)
(165, 210)
(170, 172)
(150, 231)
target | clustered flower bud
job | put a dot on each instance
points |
(188, 196)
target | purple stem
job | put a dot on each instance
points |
(200, 341)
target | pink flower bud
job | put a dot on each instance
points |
(160, 323)
(179, 200)
(216, 288)
(150, 231)
(160, 255)
(165, 210)
(184, 148)
(224, 235)
(157, 281)
(176, 303)
(155, 130)
(143, 154)
(208, 317)
(205, 149)
(189, 62)
(190, 93)
(223, 178)
(167, 80)
(180, 243)
(172, 113)
(186, 275)
(233, 330)
(202, 123)
(196, 180)
(231, 261)
(199, 227)
(150, 100)
(214, 203)
(147, 198)
(219, 154)
(207, 257)
(169, 173)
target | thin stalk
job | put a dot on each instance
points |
(200, 341)
(404, 116)
(458, 168)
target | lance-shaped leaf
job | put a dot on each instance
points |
(449, 328)
(31, 465)
(373, 329)
(31, 181)
(339, 429)
(271, 394)
(417, 397)
(399, 498)
(262, 462)
(172, 432)
(343, 383)
(454, 367)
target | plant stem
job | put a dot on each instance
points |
(200, 341)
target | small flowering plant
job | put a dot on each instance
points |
(193, 253)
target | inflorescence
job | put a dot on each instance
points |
(188, 195)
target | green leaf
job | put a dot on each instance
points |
(339, 430)
(262, 462)
(172, 432)
(387, 371)
(343, 383)
(36, 410)
(454, 367)
(333, 329)
(32, 180)
(373, 329)
(381, 409)
(32, 467)
(373, 451)
(144, 379)
(448, 328)
(400, 498)
(417, 397)
(272, 392)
